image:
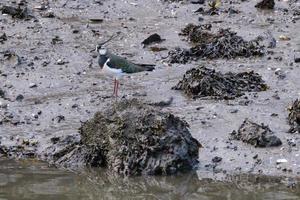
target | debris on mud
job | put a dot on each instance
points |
(256, 135)
(294, 117)
(265, 4)
(204, 82)
(179, 55)
(16, 12)
(2, 93)
(223, 44)
(154, 38)
(3, 38)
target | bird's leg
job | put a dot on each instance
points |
(117, 88)
(115, 83)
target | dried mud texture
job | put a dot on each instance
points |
(294, 117)
(265, 4)
(223, 44)
(205, 82)
(256, 135)
(129, 138)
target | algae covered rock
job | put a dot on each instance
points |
(205, 82)
(255, 134)
(294, 117)
(132, 138)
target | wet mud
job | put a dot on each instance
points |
(51, 82)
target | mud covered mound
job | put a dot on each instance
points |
(294, 117)
(209, 45)
(255, 134)
(129, 138)
(203, 82)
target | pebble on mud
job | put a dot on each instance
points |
(133, 138)
(294, 117)
(202, 82)
(256, 135)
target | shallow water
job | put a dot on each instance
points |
(36, 180)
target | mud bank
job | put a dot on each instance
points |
(50, 80)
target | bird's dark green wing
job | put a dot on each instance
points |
(118, 62)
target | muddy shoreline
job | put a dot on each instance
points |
(51, 82)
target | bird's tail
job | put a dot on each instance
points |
(147, 67)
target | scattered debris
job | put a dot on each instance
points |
(266, 4)
(20, 13)
(256, 135)
(216, 159)
(203, 82)
(294, 117)
(284, 38)
(223, 44)
(154, 38)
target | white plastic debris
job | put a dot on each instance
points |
(282, 160)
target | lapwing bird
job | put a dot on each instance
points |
(116, 66)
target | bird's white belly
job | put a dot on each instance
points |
(116, 73)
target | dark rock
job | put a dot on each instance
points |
(198, 1)
(266, 4)
(297, 60)
(3, 38)
(294, 117)
(20, 97)
(132, 139)
(203, 82)
(154, 38)
(255, 134)
(2, 93)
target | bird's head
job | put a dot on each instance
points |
(101, 50)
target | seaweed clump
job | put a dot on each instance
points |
(223, 44)
(294, 117)
(205, 82)
(255, 134)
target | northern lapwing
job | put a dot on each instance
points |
(116, 66)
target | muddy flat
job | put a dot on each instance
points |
(50, 60)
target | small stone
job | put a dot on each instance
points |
(32, 85)
(20, 98)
